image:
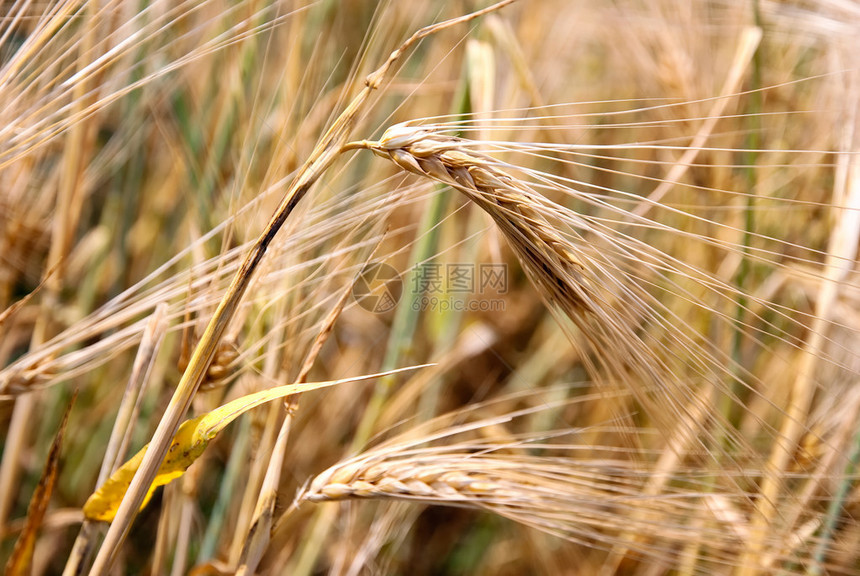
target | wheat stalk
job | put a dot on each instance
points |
(324, 154)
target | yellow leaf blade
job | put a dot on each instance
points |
(189, 443)
(104, 502)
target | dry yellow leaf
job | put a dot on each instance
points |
(189, 442)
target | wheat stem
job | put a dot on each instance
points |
(324, 154)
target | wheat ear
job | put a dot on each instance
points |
(549, 259)
(583, 501)
(568, 278)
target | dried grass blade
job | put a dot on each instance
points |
(840, 259)
(22, 555)
(150, 344)
(261, 525)
(748, 44)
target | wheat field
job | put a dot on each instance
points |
(386, 287)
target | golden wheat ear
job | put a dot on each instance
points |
(551, 260)
(573, 284)
(549, 480)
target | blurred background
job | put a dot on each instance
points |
(701, 156)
